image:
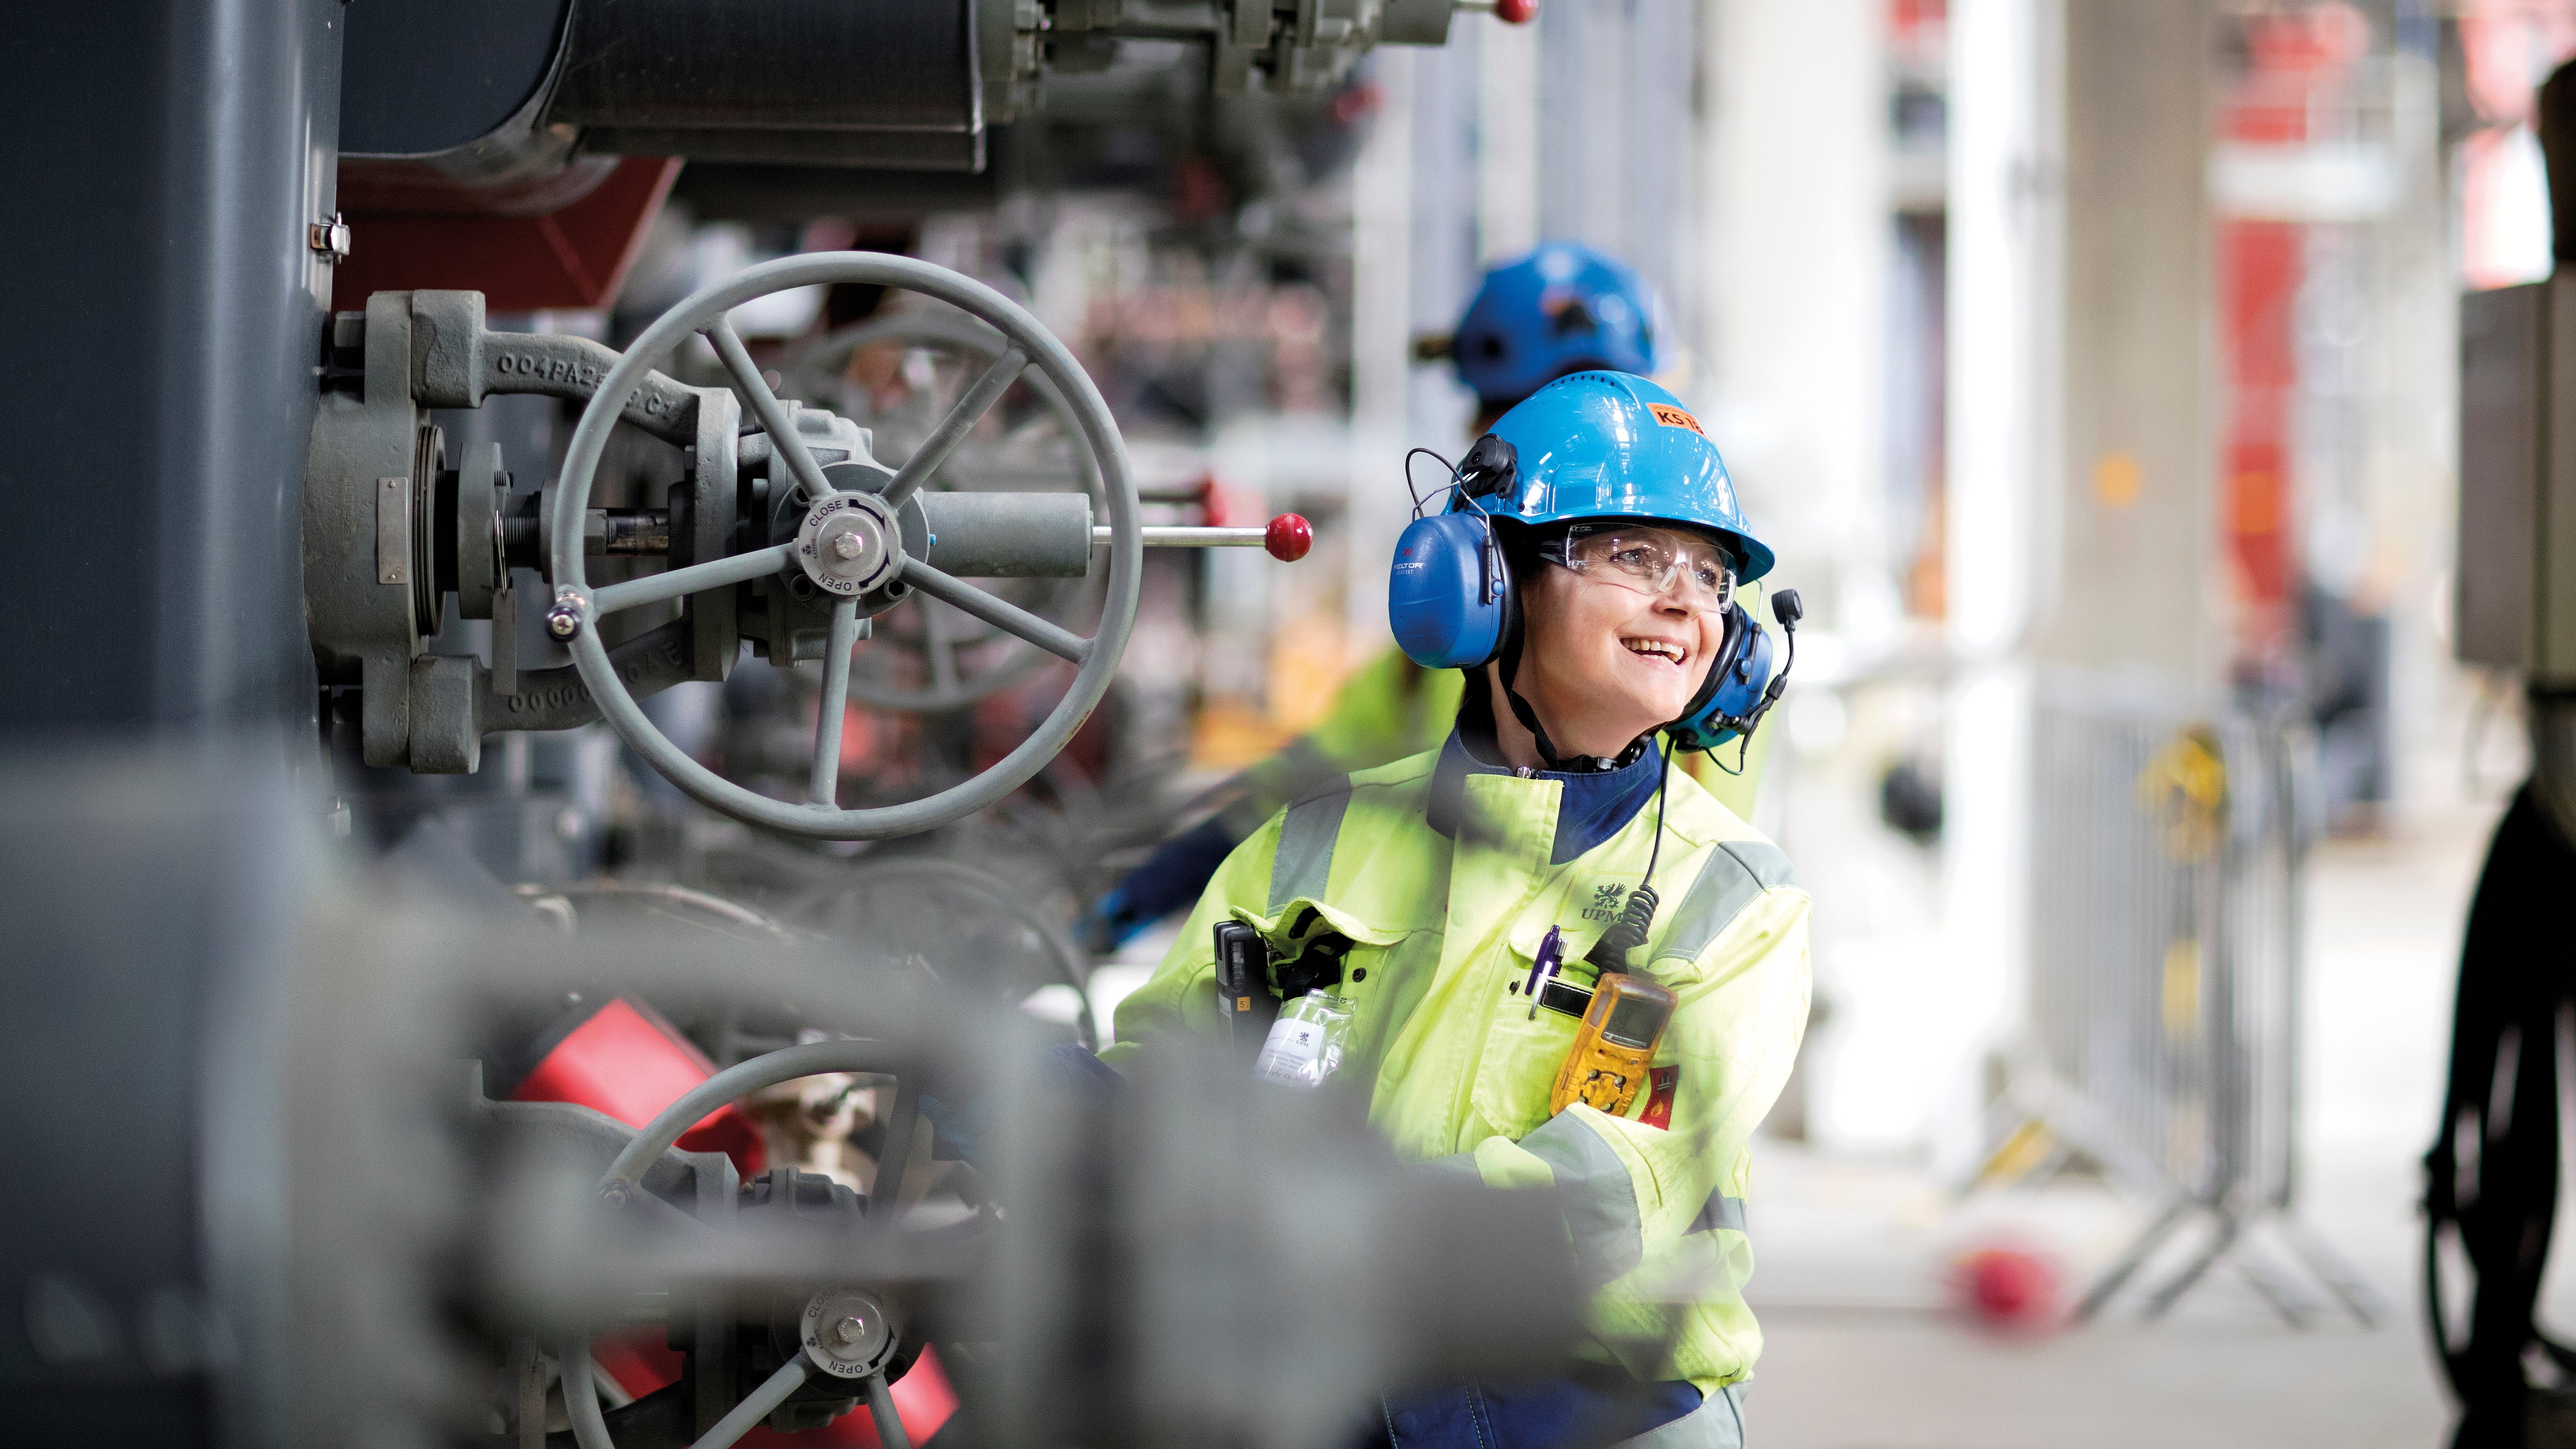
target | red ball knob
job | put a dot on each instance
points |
(1288, 537)
(2007, 1288)
(1516, 12)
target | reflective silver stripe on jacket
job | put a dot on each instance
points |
(1720, 1211)
(1304, 864)
(1733, 876)
(1600, 1198)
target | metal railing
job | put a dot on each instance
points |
(2167, 861)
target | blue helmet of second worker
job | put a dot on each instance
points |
(1600, 446)
(1563, 308)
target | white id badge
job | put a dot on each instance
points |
(1304, 1047)
(1292, 1051)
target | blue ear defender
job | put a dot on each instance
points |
(1445, 595)
(1449, 595)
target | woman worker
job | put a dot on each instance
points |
(1548, 842)
(1562, 308)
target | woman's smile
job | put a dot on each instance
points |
(1669, 651)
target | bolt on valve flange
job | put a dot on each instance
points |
(846, 1333)
(849, 544)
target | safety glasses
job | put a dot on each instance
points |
(1650, 561)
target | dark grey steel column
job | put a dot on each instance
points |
(162, 316)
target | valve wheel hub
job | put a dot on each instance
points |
(849, 544)
(846, 1334)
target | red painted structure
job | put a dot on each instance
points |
(2296, 59)
(564, 248)
(629, 1063)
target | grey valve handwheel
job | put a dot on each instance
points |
(581, 607)
(944, 684)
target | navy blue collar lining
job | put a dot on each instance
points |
(1596, 805)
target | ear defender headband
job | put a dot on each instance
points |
(1452, 602)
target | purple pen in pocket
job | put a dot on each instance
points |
(1550, 947)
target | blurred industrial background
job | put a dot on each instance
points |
(2094, 366)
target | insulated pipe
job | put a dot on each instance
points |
(1010, 535)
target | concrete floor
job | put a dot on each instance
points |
(1853, 1256)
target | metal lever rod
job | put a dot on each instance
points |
(1287, 537)
(1179, 536)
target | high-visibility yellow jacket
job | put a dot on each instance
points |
(1445, 874)
(1718, 773)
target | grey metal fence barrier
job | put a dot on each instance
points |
(2167, 859)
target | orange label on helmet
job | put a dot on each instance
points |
(1673, 417)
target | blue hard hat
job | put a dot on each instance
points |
(1563, 308)
(1601, 445)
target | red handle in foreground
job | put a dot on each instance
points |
(1288, 537)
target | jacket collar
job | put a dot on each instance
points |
(1596, 803)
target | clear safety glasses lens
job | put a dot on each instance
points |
(1655, 563)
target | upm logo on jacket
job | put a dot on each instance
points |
(1606, 900)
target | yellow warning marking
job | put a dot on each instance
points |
(1673, 417)
(2021, 1154)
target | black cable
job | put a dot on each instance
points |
(1637, 918)
(1408, 475)
(1663, 791)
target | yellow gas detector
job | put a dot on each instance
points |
(1611, 1051)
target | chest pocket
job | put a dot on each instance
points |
(1516, 1072)
(1319, 947)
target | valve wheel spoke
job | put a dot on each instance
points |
(696, 578)
(765, 405)
(961, 420)
(748, 1414)
(998, 612)
(825, 788)
(889, 1423)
